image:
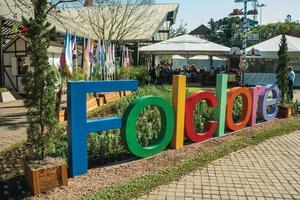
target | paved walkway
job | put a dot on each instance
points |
(270, 170)
(12, 123)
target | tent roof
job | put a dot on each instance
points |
(186, 45)
(272, 45)
(178, 57)
(204, 58)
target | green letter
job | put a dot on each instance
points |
(129, 132)
(220, 112)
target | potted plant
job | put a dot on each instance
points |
(41, 172)
(285, 108)
(6, 96)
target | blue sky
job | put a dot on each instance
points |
(197, 12)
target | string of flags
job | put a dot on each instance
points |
(99, 55)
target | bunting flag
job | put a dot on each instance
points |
(98, 54)
(123, 56)
(87, 64)
(111, 65)
(127, 59)
(74, 51)
(66, 58)
(114, 54)
(107, 55)
(91, 59)
(103, 55)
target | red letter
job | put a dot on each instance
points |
(211, 126)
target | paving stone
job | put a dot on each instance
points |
(270, 170)
(12, 123)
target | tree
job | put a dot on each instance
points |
(224, 31)
(115, 19)
(40, 82)
(282, 69)
(180, 30)
(274, 29)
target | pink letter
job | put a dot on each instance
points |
(255, 92)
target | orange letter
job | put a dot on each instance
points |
(246, 112)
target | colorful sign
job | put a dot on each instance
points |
(176, 119)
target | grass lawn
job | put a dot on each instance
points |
(142, 185)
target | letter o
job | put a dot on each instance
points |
(210, 127)
(246, 112)
(129, 132)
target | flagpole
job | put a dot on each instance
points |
(82, 55)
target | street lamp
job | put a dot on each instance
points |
(261, 7)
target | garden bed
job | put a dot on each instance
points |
(106, 148)
(103, 177)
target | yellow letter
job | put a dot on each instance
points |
(179, 87)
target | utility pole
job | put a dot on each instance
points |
(261, 6)
(243, 61)
(2, 78)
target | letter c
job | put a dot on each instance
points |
(211, 126)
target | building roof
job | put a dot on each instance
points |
(206, 58)
(186, 45)
(201, 30)
(156, 27)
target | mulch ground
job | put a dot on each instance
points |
(102, 177)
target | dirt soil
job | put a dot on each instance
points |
(102, 177)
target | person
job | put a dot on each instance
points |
(153, 75)
(291, 78)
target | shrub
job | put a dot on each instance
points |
(139, 73)
(106, 146)
(79, 74)
(296, 107)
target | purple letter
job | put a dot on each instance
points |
(255, 92)
(267, 108)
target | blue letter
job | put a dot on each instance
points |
(78, 125)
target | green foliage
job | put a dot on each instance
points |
(138, 73)
(97, 74)
(269, 31)
(223, 31)
(202, 114)
(3, 90)
(296, 107)
(282, 70)
(79, 74)
(237, 108)
(40, 84)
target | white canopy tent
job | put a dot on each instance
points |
(205, 61)
(269, 48)
(263, 67)
(178, 61)
(186, 45)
